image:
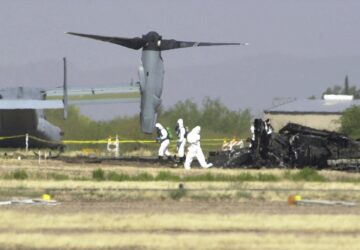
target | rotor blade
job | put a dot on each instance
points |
(132, 43)
(173, 44)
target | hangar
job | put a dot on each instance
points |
(319, 113)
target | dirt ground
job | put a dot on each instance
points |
(251, 206)
(156, 222)
(192, 207)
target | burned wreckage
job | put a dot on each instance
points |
(294, 146)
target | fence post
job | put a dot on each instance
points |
(27, 142)
(117, 146)
(113, 146)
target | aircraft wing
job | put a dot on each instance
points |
(128, 94)
(30, 104)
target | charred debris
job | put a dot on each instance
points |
(295, 146)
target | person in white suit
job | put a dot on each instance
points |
(194, 150)
(181, 134)
(163, 139)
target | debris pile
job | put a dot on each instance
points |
(294, 146)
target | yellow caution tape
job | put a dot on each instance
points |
(222, 140)
(105, 141)
(43, 140)
(11, 137)
(208, 142)
(132, 141)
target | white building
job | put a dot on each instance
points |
(319, 114)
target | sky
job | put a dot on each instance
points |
(297, 48)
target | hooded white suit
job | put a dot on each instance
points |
(194, 149)
(181, 138)
(164, 140)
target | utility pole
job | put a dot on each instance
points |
(346, 87)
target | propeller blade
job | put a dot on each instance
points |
(174, 44)
(132, 43)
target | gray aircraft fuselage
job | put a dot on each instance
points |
(151, 74)
(18, 122)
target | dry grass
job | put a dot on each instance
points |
(52, 169)
(178, 241)
(46, 184)
(83, 229)
(159, 190)
(48, 168)
(140, 152)
(179, 231)
(14, 220)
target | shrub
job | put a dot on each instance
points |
(203, 177)
(98, 174)
(177, 194)
(20, 174)
(166, 176)
(350, 122)
(245, 177)
(267, 177)
(58, 177)
(143, 177)
(308, 174)
(113, 176)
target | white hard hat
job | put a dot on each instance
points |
(197, 129)
(180, 122)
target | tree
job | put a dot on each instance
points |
(217, 117)
(346, 87)
(346, 90)
(216, 120)
(313, 97)
(350, 122)
(187, 110)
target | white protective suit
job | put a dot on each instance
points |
(252, 130)
(194, 149)
(164, 140)
(268, 127)
(181, 138)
